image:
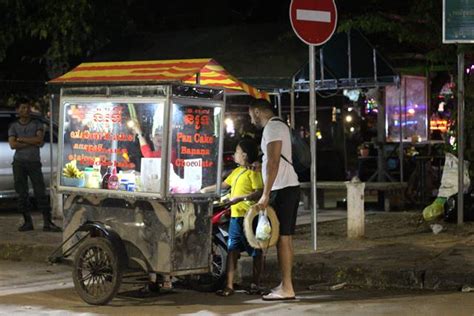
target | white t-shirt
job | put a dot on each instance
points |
(278, 131)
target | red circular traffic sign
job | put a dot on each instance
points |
(314, 21)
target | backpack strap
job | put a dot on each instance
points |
(278, 119)
(232, 188)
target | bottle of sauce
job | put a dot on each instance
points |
(113, 180)
(105, 179)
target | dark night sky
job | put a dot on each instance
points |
(141, 22)
(183, 14)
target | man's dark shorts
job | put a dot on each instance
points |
(237, 240)
(285, 202)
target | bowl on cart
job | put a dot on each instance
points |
(73, 182)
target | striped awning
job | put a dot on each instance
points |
(206, 72)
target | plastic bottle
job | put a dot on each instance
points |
(88, 177)
(96, 166)
(96, 176)
(113, 182)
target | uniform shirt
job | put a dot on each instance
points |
(29, 153)
(243, 181)
(279, 131)
(147, 152)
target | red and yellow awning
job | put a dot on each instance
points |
(207, 70)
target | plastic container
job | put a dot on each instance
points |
(96, 180)
(73, 182)
(123, 185)
(88, 179)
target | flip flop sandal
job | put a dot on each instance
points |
(277, 297)
(225, 292)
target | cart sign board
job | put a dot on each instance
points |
(314, 21)
(458, 21)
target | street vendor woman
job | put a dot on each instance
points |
(156, 137)
(177, 184)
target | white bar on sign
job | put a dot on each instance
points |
(313, 15)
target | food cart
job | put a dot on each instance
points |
(134, 154)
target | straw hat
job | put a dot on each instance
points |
(250, 234)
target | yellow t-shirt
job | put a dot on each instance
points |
(243, 182)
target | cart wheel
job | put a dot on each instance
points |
(214, 280)
(97, 273)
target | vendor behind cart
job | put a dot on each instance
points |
(156, 137)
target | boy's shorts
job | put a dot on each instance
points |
(237, 240)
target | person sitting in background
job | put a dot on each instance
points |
(246, 186)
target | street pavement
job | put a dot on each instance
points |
(399, 251)
(32, 288)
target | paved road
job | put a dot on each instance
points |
(40, 289)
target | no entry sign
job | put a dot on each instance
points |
(314, 21)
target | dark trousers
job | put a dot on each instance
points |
(21, 172)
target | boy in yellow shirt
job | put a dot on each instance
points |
(246, 186)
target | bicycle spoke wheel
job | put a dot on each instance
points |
(97, 274)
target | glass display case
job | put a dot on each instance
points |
(407, 105)
(158, 145)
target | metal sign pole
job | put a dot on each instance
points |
(292, 104)
(312, 128)
(460, 141)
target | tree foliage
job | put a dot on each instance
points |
(61, 30)
(406, 29)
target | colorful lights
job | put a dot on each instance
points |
(470, 69)
(371, 105)
(439, 124)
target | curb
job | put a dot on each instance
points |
(368, 276)
(25, 252)
(308, 270)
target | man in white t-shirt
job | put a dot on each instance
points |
(280, 188)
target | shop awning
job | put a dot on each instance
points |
(206, 72)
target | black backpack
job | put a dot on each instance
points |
(300, 151)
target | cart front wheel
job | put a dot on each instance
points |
(97, 273)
